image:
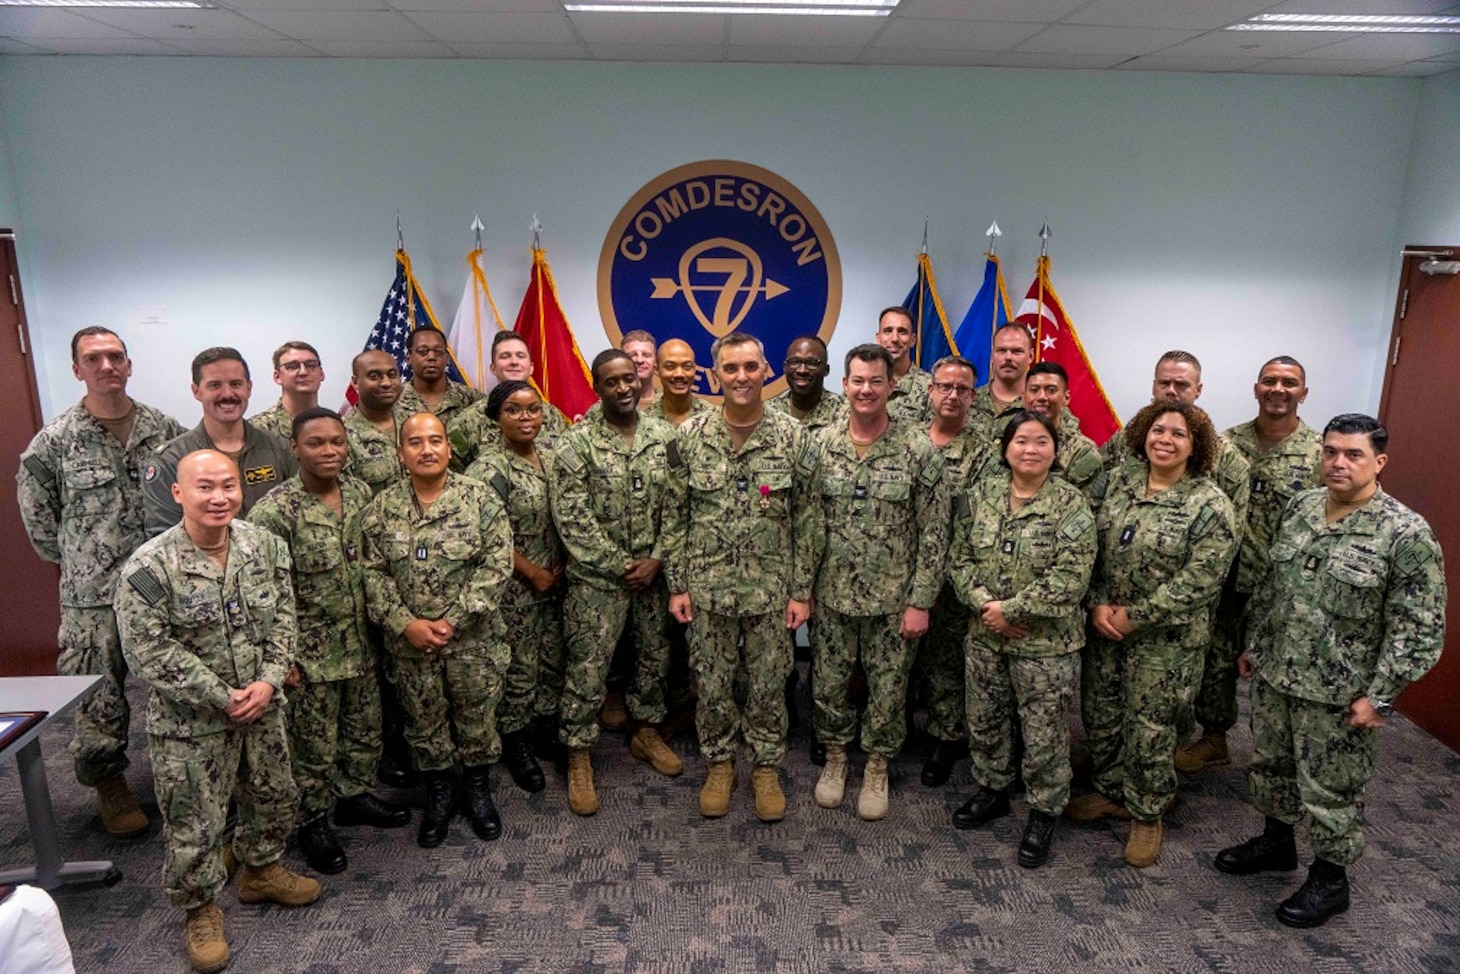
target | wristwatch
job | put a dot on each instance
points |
(1384, 708)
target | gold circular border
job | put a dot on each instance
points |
(721, 167)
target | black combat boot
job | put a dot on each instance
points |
(521, 765)
(1038, 837)
(1322, 897)
(986, 805)
(320, 847)
(440, 809)
(1274, 850)
(940, 762)
(480, 810)
(366, 809)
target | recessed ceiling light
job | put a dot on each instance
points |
(105, 3)
(812, 8)
(1352, 23)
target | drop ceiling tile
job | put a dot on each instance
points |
(343, 26)
(1261, 44)
(1317, 66)
(247, 6)
(142, 46)
(602, 28)
(1417, 69)
(520, 52)
(788, 54)
(658, 53)
(496, 28)
(283, 47)
(384, 49)
(954, 34)
(9, 45)
(1406, 7)
(1054, 59)
(1391, 47)
(1174, 14)
(1173, 62)
(1021, 11)
(927, 57)
(1127, 41)
(482, 6)
(217, 24)
(24, 23)
(776, 30)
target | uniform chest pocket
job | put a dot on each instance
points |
(1170, 535)
(891, 487)
(199, 612)
(313, 559)
(457, 549)
(92, 487)
(1037, 542)
(703, 481)
(1351, 591)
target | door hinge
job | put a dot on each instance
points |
(1403, 302)
(14, 294)
(1395, 360)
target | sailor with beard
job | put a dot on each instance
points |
(221, 383)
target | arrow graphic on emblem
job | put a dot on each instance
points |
(667, 287)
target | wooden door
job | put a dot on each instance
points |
(1421, 408)
(29, 587)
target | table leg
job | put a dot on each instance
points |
(50, 871)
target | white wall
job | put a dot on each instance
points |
(1432, 192)
(255, 200)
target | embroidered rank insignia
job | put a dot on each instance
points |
(420, 552)
(1128, 535)
(1259, 486)
(638, 483)
(351, 553)
(1311, 563)
(859, 492)
(1008, 546)
(742, 484)
(145, 584)
(260, 475)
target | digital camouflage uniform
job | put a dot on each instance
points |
(450, 561)
(80, 496)
(533, 620)
(885, 536)
(457, 399)
(830, 408)
(909, 401)
(473, 432)
(1275, 477)
(373, 456)
(1036, 561)
(266, 462)
(196, 632)
(1232, 473)
(334, 714)
(939, 665)
(613, 503)
(1162, 558)
(276, 420)
(1078, 460)
(1347, 610)
(984, 413)
(747, 537)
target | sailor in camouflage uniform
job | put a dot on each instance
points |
(1282, 452)
(334, 697)
(206, 614)
(740, 570)
(299, 375)
(1047, 392)
(1167, 536)
(1022, 551)
(1010, 355)
(80, 492)
(882, 498)
(909, 401)
(438, 554)
(806, 399)
(939, 667)
(613, 502)
(1351, 611)
(532, 603)
(474, 431)
(430, 389)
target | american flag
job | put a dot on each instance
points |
(405, 310)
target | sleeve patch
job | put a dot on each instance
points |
(567, 458)
(1203, 521)
(145, 584)
(932, 471)
(499, 484)
(1411, 556)
(1075, 527)
(38, 469)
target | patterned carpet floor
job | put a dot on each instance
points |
(648, 886)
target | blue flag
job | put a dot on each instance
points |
(933, 337)
(990, 309)
(405, 310)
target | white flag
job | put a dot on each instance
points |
(476, 322)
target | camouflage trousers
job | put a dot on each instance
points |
(534, 682)
(1306, 758)
(196, 777)
(939, 668)
(334, 736)
(838, 643)
(90, 646)
(1132, 696)
(1036, 691)
(451, 702)
(1216, 695)
(715, 651)
(595, 619)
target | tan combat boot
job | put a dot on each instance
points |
(647, 745)
(275, 884)
(832, 785)
(715, 795)
(770, 801)
(1207, 751)
(1144, 844)
(207, 950)
(1093, 806)
(582, 799)
(118, 808)
(872, 800)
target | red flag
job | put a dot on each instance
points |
(1055, 340)
(558, 369)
